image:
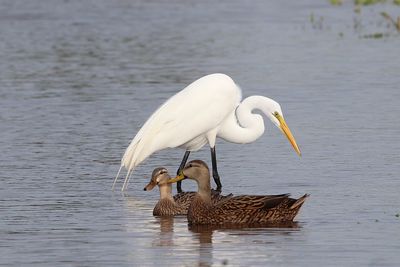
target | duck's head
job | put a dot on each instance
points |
(159, 177)
(195, 170)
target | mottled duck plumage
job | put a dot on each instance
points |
(178, 204)
(244, 209)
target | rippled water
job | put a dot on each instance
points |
(78, 79)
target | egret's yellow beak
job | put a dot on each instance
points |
(178, 178)
(285, 129)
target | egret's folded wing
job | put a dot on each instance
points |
(194, 111)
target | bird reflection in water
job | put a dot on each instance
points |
(165, 238)
(174, 234)
(204, 235)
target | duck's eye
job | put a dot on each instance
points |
(190, 166)
(162, 172)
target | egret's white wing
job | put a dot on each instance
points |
(192, 112)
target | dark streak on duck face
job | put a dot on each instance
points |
(196, 163)
(196, 170)
(157, 172)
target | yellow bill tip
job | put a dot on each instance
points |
(285, 129)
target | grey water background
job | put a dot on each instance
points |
(79, 78)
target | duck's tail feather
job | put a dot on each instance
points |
(299, 202)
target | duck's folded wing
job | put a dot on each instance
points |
(251, 202)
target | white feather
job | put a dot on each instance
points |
(195, 116)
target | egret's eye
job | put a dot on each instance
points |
(276, 113)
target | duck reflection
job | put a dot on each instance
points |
(244, 227)
(204, 235)
(166, 224)
(205, 240)
(166, 236)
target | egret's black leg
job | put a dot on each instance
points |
(183, 163)
(215, 170)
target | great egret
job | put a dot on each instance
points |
(208, 108)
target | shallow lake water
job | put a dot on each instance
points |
(79, 78)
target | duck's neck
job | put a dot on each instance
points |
(166, 192)
(204, 188)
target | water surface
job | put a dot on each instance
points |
(78, 79)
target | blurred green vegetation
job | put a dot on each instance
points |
(392, 22)
(363, 2)
(395, 23)
(336, 2)
(368, 2)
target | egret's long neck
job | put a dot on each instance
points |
(243, 126)
(166, 191)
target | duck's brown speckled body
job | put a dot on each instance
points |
(169, 205)
(245, 209)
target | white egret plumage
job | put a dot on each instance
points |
(208, 108)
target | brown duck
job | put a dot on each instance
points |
(244, 209)
(169, 205)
